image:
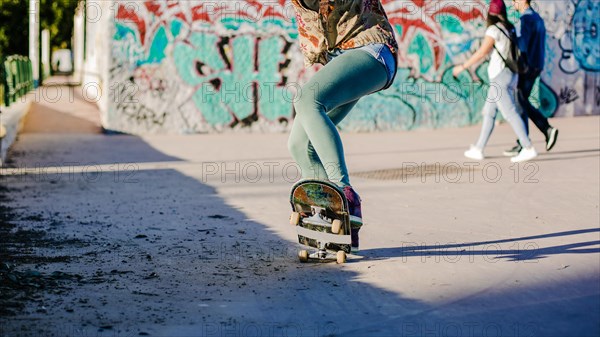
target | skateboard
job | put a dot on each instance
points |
(320, 215)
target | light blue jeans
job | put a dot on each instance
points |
(324, 101)
(502, 95)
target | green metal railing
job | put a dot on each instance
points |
(16, 78)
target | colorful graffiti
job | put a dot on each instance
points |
(586, 40)
(433, 36)
(578, 42)
(433, 33)
(204, 66)
(572, 55)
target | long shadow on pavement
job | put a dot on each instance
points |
(166, 255)
(159, 253)
(491, 248)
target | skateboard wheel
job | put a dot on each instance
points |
(295, 219)
(336, 226)
(341, 257)
(303, 255)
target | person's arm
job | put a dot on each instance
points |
(483, 51)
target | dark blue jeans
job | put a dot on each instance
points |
(524, 87)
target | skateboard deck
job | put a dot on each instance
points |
(320, 215)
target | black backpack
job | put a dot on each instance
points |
(516, 60)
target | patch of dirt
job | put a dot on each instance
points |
(22, 258)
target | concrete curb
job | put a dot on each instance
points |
(12, 119)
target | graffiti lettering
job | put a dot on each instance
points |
(196, 65)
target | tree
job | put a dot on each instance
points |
(14, 27)
(55, 15)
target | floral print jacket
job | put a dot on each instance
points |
(341, 24)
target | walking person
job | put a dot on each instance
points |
(503, 84)
(355, 42)
(532, 43)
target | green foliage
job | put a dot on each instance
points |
(55, 15)
(14, 27)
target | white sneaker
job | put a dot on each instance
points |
(474, 153)
(525, 155)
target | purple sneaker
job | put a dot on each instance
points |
(355, 215)
(354, 239)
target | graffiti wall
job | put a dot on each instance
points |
(196, 66)
(573, 55)
(203, 66)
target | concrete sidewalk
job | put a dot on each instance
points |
(189, 236)
(57, 107)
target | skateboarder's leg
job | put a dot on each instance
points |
(303, 151)
(304, 154)
(324, 101)
(345, 79)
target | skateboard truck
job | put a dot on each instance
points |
(321, 254)
(318, 217)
